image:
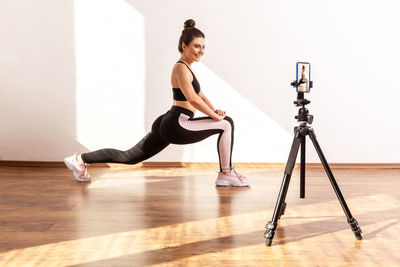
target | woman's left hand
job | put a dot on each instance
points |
(220, 112)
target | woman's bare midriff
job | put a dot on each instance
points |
(185, 105)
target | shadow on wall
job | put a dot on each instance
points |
(37, 77)
(122, 73)
(241, 49)
(253, 123)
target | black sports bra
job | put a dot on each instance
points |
(178, 95)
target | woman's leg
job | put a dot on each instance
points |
(149, 146)
(180, 128)
(199, 128)
(205, 126)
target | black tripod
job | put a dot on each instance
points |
(300, 133)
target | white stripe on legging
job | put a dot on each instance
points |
(225, 143)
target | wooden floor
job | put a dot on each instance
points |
(177, 217)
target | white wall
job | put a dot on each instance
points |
(251, 51)
(37, 80)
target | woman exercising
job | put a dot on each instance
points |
(178, 125)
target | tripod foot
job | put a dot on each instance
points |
(355, 228)
(358, 236)
(269, 233)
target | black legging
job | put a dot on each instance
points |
(177, 126)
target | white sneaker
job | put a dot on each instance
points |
(78, 170)
(233, 178)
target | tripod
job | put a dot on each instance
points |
(300, 133)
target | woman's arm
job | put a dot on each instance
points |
(205, 99)
(183, 78)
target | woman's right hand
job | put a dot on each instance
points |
(219, 117)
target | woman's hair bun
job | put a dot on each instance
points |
(188, 33)
(189, 24)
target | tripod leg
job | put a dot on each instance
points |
(353, 222)
(303, 167)
(271, 225)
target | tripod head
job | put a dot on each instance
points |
(303, 117)
(301, 101)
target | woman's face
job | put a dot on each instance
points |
(195, 50)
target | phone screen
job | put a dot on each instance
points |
(303, 76)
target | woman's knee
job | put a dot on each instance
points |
(230, 120)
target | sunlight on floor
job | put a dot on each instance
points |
(119, 244)
(239, 236)
(121, 182)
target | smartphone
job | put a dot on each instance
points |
(303, 77)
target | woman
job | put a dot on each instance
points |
(303, 79)
(178, 125)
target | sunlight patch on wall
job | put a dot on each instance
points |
(110, 73)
